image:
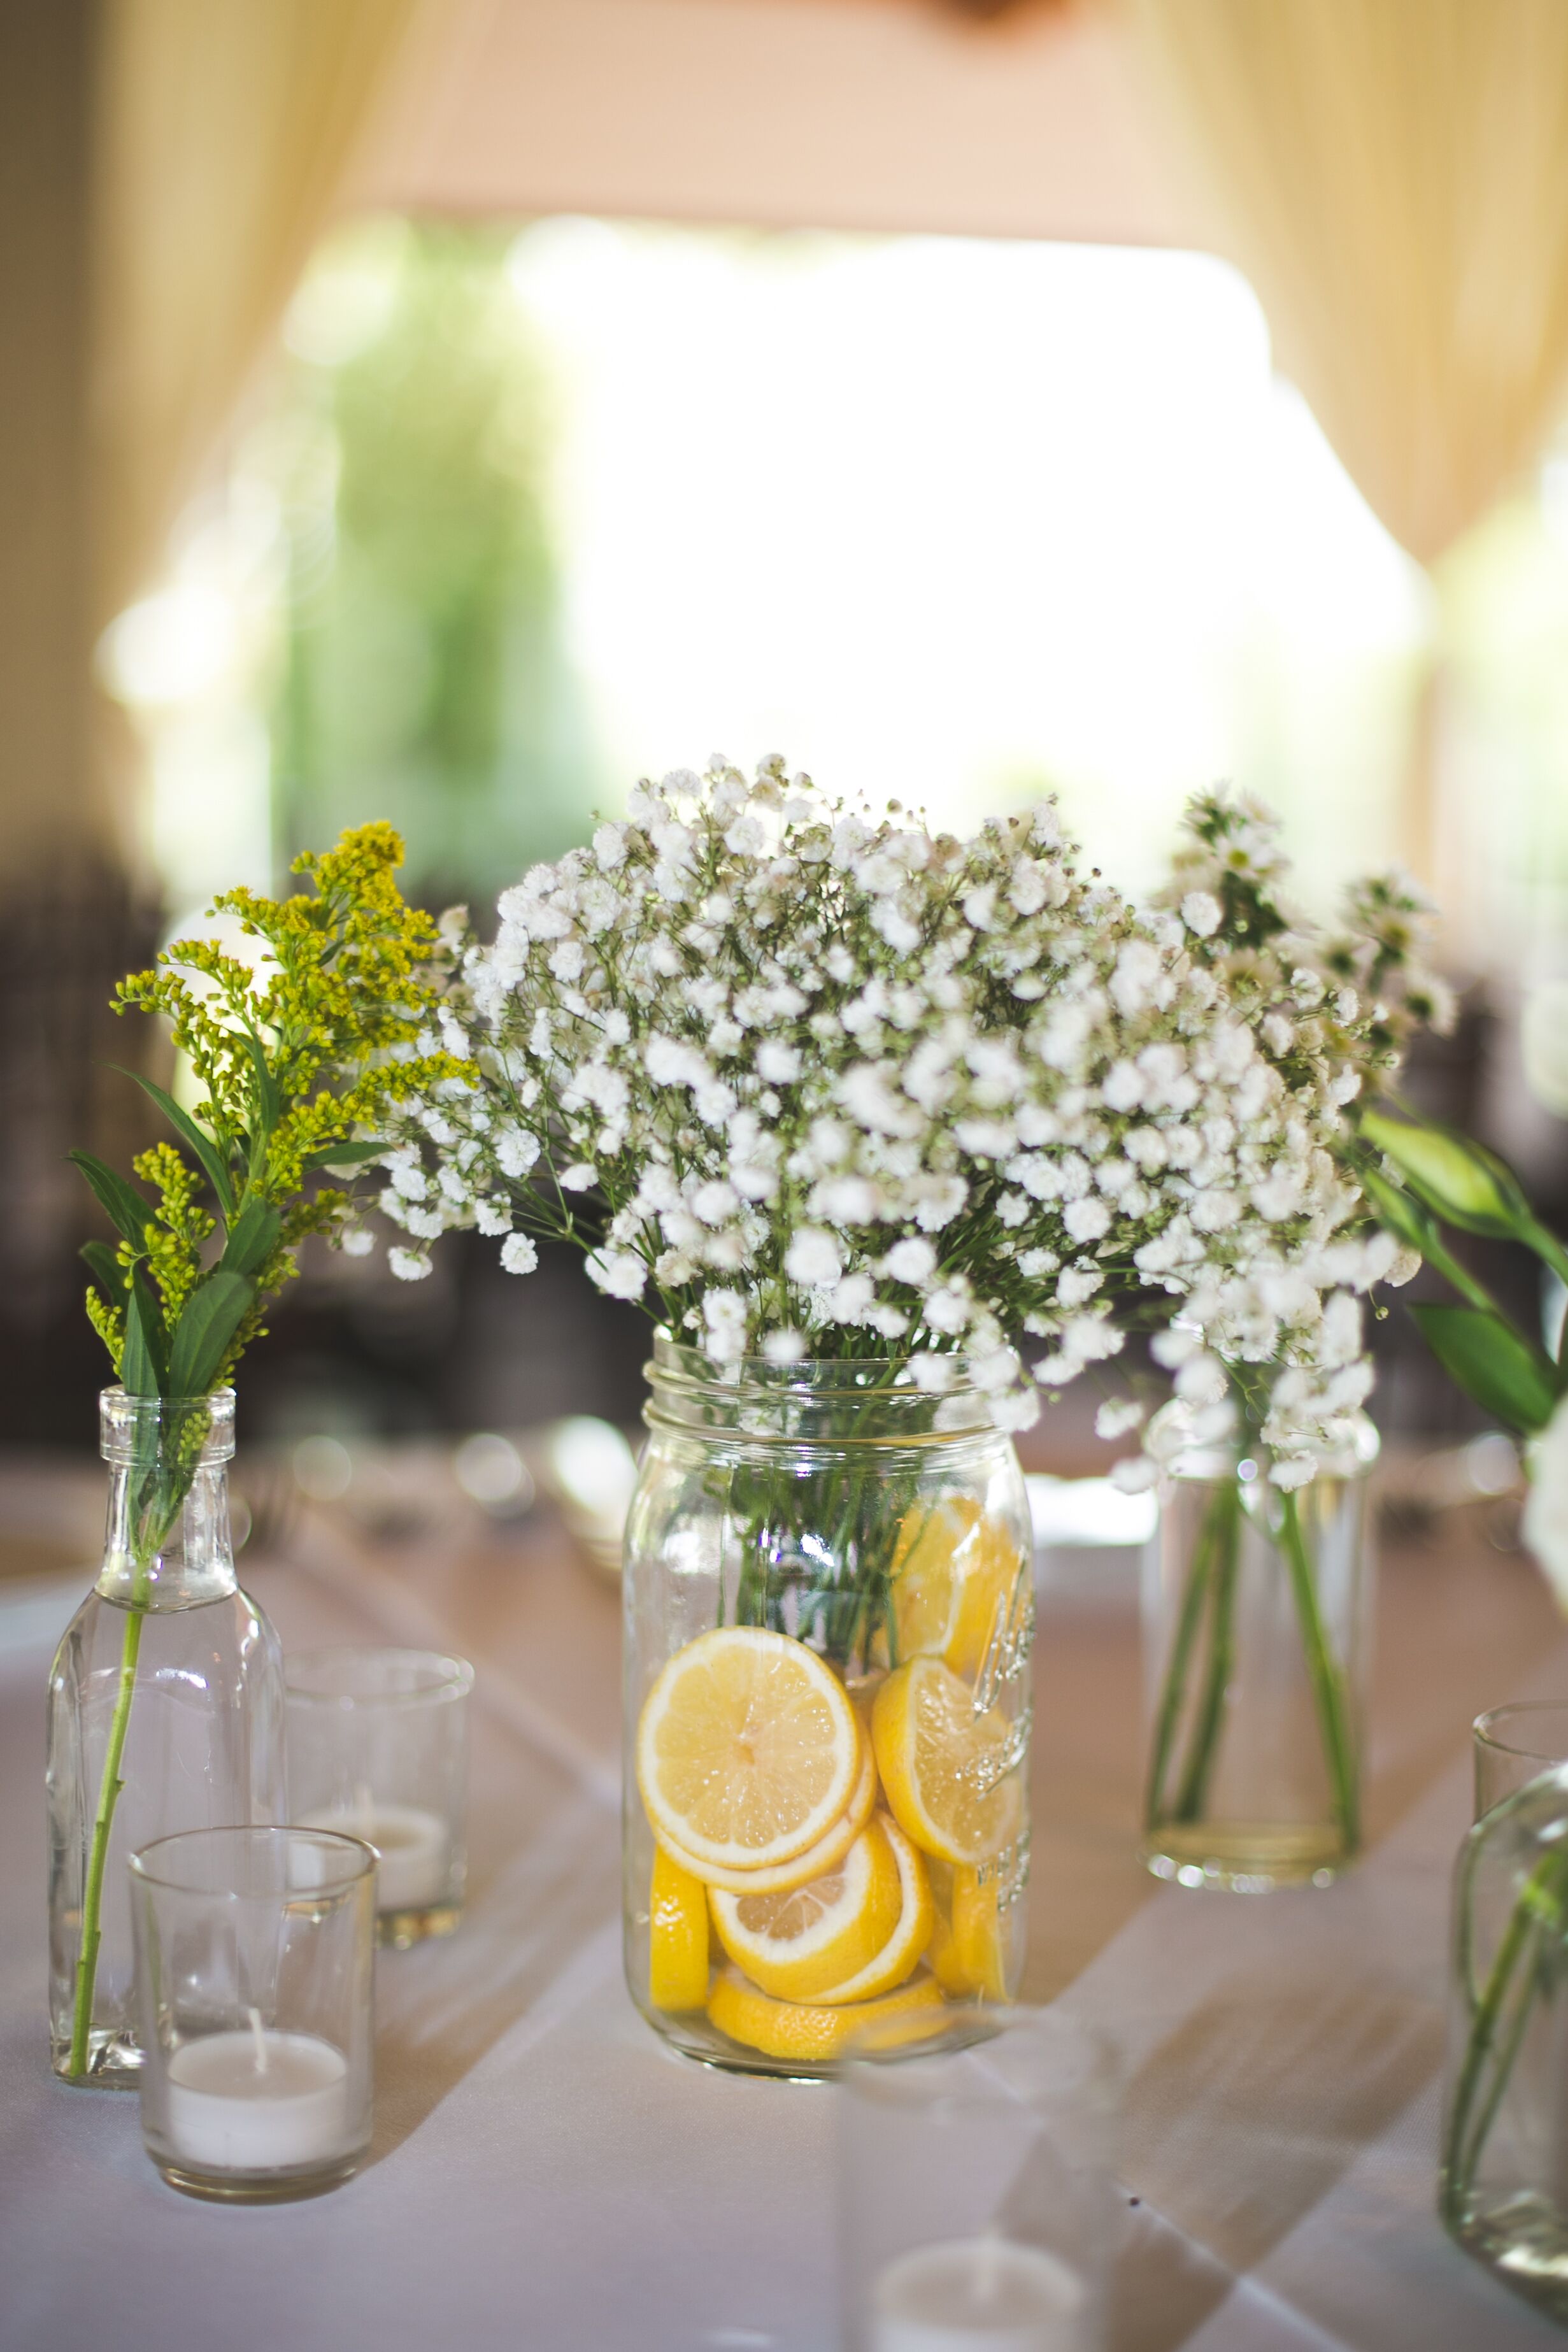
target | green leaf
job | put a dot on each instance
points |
(213, 1313)
(127, 1209)
(341, 1155)
(107, 1271)
(144, 1363)
(269, 1101)
(251, 1237)
(1462, 1180)
(204, 1147)
(1491, 1362)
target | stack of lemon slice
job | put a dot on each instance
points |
(761, 1780)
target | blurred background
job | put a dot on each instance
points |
(449, 410)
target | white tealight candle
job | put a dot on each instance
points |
(413, 1851)
(978, 2295)
(258, 2101)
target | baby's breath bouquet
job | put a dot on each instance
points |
(1331, 1013)
(811, 1085)
(288, 1051)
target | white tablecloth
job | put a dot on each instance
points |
(546, 2174)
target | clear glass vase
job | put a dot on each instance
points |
(1256, 1607)
(1504, 2178)
(828, 1617)
(165, 1710)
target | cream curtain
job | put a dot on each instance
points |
(224, 128)
(1392, 175)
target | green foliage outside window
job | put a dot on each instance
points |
(424, 680)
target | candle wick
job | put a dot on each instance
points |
(260, 2039)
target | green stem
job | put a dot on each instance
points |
(1538, 1904)
(1547, 1247)
(1325, 1675)
(108, 1798)
(1192, 1795)
(158, 1500)
(1174, 1687)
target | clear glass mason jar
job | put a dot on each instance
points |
(165, 1710)
(1257, 1621)
(1504, 2177)
(828, 1614)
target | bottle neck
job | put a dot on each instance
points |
(166, 1544)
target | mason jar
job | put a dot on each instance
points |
(165, 1710)
(1257, 1621)
(1503, 2192)
(829, 1609)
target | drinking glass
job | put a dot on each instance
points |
(378, 1748)
(1515, 1744)
(255, 1958)
(978, 2206)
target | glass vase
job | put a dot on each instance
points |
(1504, 2177)
(165, 1710)
(828, 1615)
(1256, 1605)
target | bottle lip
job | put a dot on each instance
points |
(137, 1428)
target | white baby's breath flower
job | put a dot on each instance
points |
(621, 1274)
(813, 1258)
(1202, 913)
(408, 1265)
(518, 1253)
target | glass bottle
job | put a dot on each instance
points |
(1256, 1616)
(1504, 2179)
(833, 1509)
(168, 1683)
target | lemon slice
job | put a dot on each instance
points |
(947, 1769)
(899, 1956)
(678, 1936)
(969, 1944)
(953, 1578)
(747, 1751)
(815, 1862)
(796, 1944)
(787, 2028)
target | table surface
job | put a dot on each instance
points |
(545, 2173)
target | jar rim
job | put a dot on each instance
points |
(337, 1669)
(857, 1375)
(355, 1856)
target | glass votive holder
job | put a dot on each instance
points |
(378, 1748)
(978, 2207)
(255, 1965)
(1515, 1744)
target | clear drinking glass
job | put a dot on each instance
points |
(1504, 2192)
(977, 2202)
(1515, 1744)
(378, 1748)
(829, 1533)
(255, 1966)
(1256, 1623)
(165, 1709)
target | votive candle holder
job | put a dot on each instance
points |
(978, 2209)
(378, 1748)
(254, 1953)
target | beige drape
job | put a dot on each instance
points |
(1392, 175)
(224, 128)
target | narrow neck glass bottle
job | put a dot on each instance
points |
(166, 1709)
